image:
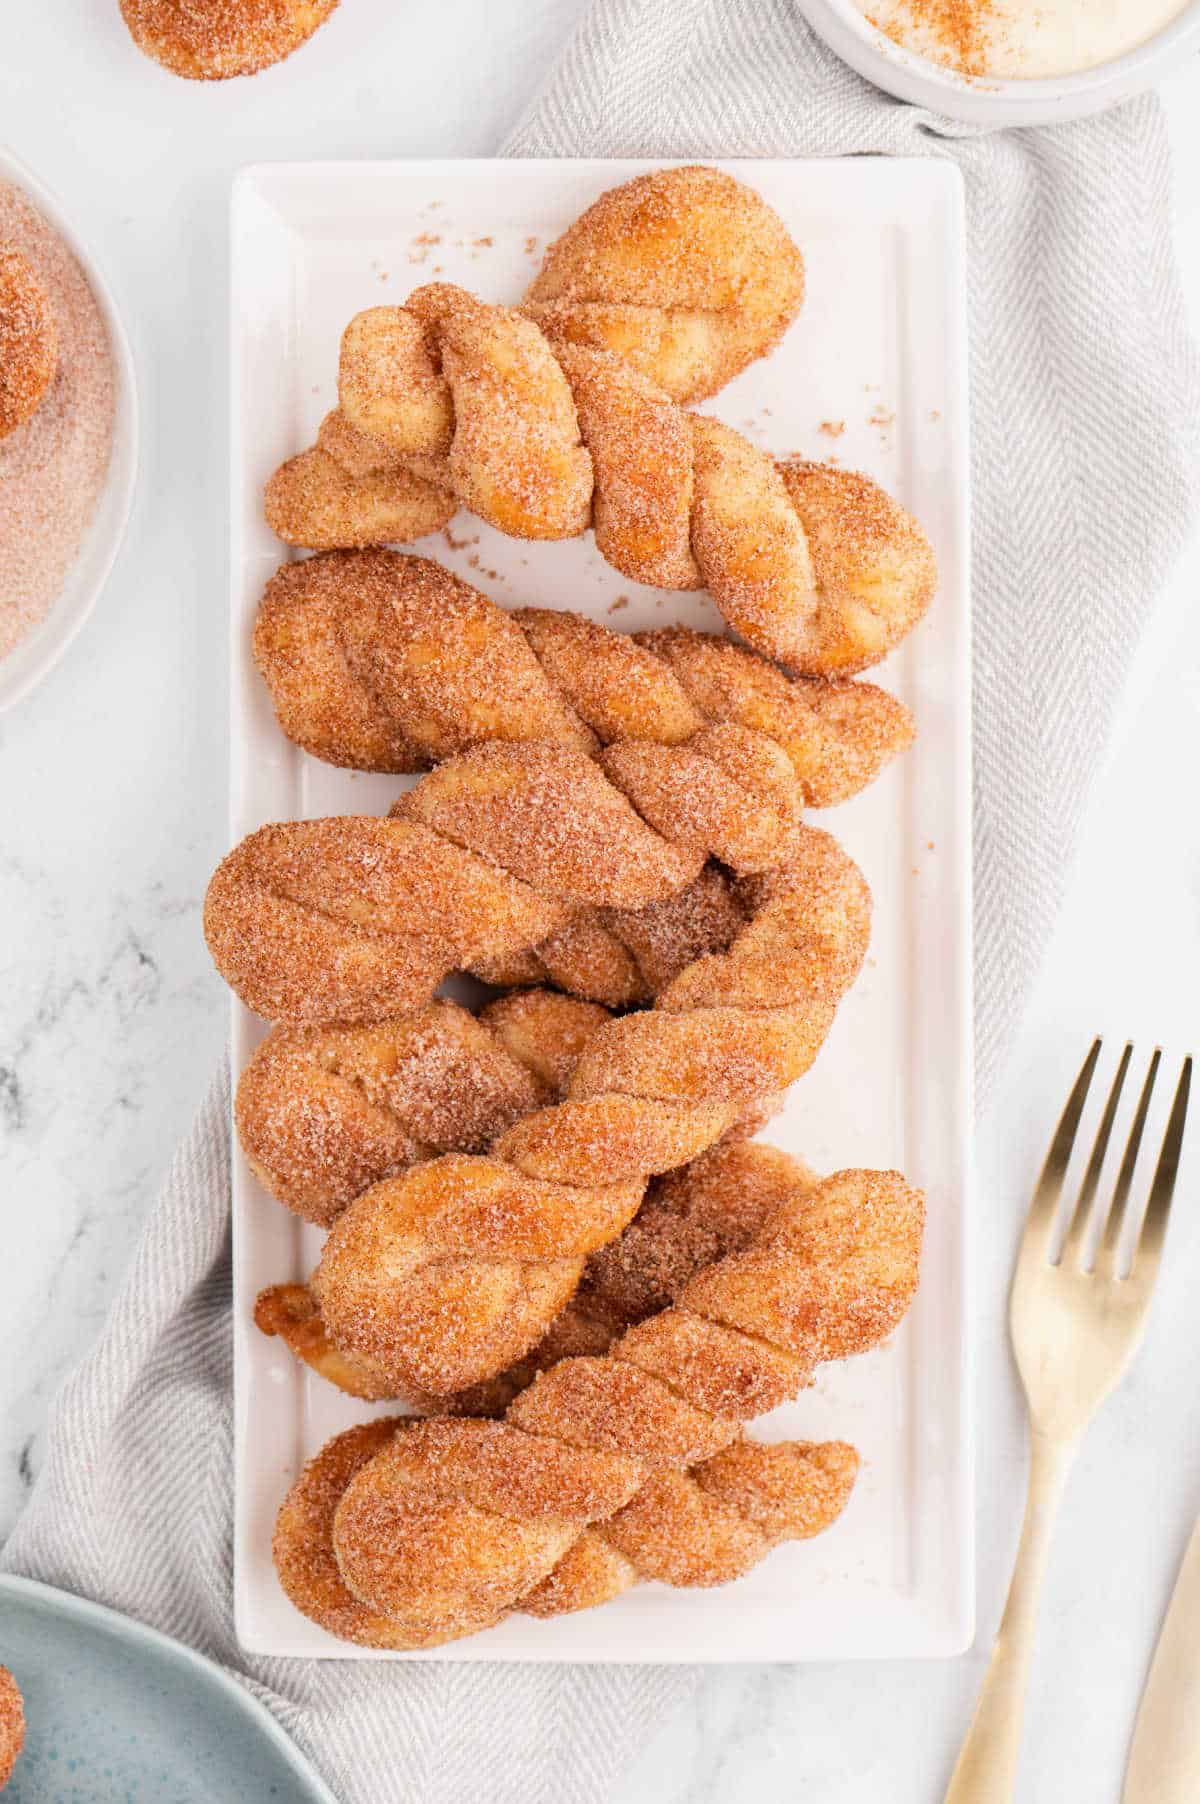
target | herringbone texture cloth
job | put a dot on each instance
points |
(1084, 416)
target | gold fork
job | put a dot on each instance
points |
(1075, 1330)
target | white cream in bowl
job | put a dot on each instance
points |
(1021, 40)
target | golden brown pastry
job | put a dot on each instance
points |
(210, 40)
(503, 849)
(567, 412)
(313, 500)
(686, 274)
(384, 662)
(705, 1526)
(816, 567)
(444, 1276)
(28, 340)
(702, 1527)
(716, 1205)
(323, 1113)
(451, 1524)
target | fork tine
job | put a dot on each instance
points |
(1049, 1185)
(1154, 1223)
(1106, 1258)
(1073, 1245)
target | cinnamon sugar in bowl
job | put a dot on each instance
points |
(67, 469)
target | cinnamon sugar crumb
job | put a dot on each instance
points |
(832, 428)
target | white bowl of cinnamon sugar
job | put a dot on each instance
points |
(68, 431)
(1009, 62)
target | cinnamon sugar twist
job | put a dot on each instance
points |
(815, 566)
(383, 662)
(685, 274)
(716, 1205)
(567, 413)
(504, 850)
(324, 1112)
(387, 662)
(706, 1526)
(454, 1523)
(446, 1275)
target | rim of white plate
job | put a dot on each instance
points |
(37, 654)
(975, 101)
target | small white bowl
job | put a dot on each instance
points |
(40, 650)
(979, 100)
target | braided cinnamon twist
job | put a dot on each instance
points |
(685, 274)
(389, 663)
(815, 566)
(505, 849)
(702, 1527)
(444, 1276)
(324, 1112)
(567, 413)
(716, 1205)
(454, 1523)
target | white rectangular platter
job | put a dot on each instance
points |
(874, 373)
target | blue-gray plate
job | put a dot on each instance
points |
(118, 1714)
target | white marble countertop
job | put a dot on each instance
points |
(114, 812)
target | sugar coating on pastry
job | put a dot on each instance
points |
(440, 1535)
(686, 273)
(873, 568)
(324, 1112)
(691, 1217)
(380, 661)
(28, 341)
(211, 40)
(303, 1542)
(313, 502)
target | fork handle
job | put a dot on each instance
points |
(986, 1772)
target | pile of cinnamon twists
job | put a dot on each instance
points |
(549, 1234)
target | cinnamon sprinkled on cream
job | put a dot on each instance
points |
(1020, 39)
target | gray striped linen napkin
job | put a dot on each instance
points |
(1085, 403)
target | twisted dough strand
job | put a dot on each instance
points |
(325, 1112)
(390, 663)
(443, 1277)
(383, 662)
(716, 1205)
(702, 1527)
(567, 413)
(511, 847)
(816, 566)
(685, 273)
(453, 1524)
(498, 852)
